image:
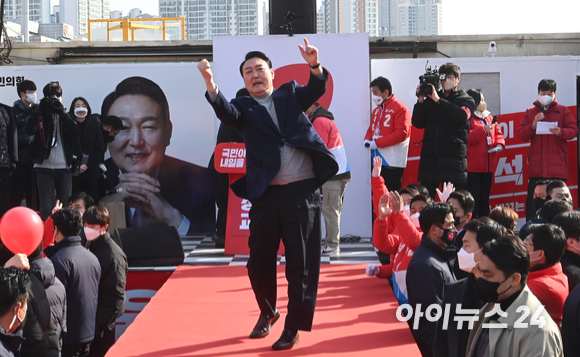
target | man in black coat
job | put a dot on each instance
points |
(571, 324)
(114, 269)
(430, 270)
(80, 272)
(445, 116)
(287, 162)
(13, 306)
(450, 340)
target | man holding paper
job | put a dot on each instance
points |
(549, 126)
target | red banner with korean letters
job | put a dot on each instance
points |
(230, 158)
(510, 175)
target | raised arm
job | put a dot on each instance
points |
(207, 74)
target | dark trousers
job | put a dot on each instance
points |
(432, 187)
(104, 340)
(530, 208)
(393, 177)
(21, 183)
(221, 192)
(291, 212)
(88, 186)
(76, 350)
(52, 187)
(479, 185)
(4, 190)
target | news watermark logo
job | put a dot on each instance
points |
(434, 312)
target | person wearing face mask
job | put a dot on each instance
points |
(570, 224)
(540, 194)
(503, 271)
(400, 245)
(546, 244)
(445, 115)
(452, 340)
(114, 268)
(22, 178)
(80, 272)
(13, 306)
(463, 204)
(56, 141)
(92, 145)
(548, 156)
(484, 135)
(389, 133)
(430, 270)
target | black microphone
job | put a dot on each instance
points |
(542, 109)
(113, 191)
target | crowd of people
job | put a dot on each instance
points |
(449, 251)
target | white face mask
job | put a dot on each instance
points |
(91, 234)
(545, 100)
(81, 112)
(415, 220)
(407, 210)
(449, 84)
(466, 260)
(378, 100)
(31, 98)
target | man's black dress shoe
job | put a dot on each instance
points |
(288, 339)
(265, 322)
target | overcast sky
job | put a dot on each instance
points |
(468, 17)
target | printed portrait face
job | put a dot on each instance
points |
(140, 145)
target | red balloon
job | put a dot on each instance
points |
(21, 230)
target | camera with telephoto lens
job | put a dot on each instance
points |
(55, 104)
(430, 77)
(76, 164)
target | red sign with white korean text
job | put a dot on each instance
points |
(510, 175)
(230, 158)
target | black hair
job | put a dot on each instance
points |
(434, 214)
(114, 121)
(569, 222)
(549, 238)
(243, 92)
(476, 95)
(47, 92)
(450, 68)
(510, 255)
(79, 195)
(97, 215)
(505, 216)
(552, 208)
(141, 86)
(383, 84)
(547, 85)
(421, 198)
(68, 221)
(543, 182)
(14, 284)
(465, 200)
(255, 54)
(554, 184)
(485, 229)
(423, 191)
(409, 190)
(25, 85)
(72, 106)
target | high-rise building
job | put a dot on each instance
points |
(410, 17)
(360, 16)
(205, 19)
(38, 10)
(320, 19)
(333, 16)
(78, 13)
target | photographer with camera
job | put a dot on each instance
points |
(56, 142)
(445, 116)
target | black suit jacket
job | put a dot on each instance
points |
(186, 187)
(264, 141)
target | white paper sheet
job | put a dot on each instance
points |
(543, 128)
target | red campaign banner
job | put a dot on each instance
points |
(227, 157)
(510, 175)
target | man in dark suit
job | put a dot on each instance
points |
(155, 187)
(287, 162)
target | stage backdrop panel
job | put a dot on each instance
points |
(193, 127)
(346, 57)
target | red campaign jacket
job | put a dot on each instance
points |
(478, 158)
(548, 155)
(550, 286)
(397, 127)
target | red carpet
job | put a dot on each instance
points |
(210, 311)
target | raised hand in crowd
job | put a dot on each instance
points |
(447, 189)
(19, 261)
(384, 208)
(377, 163)
(57, 207)
(397, 202)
